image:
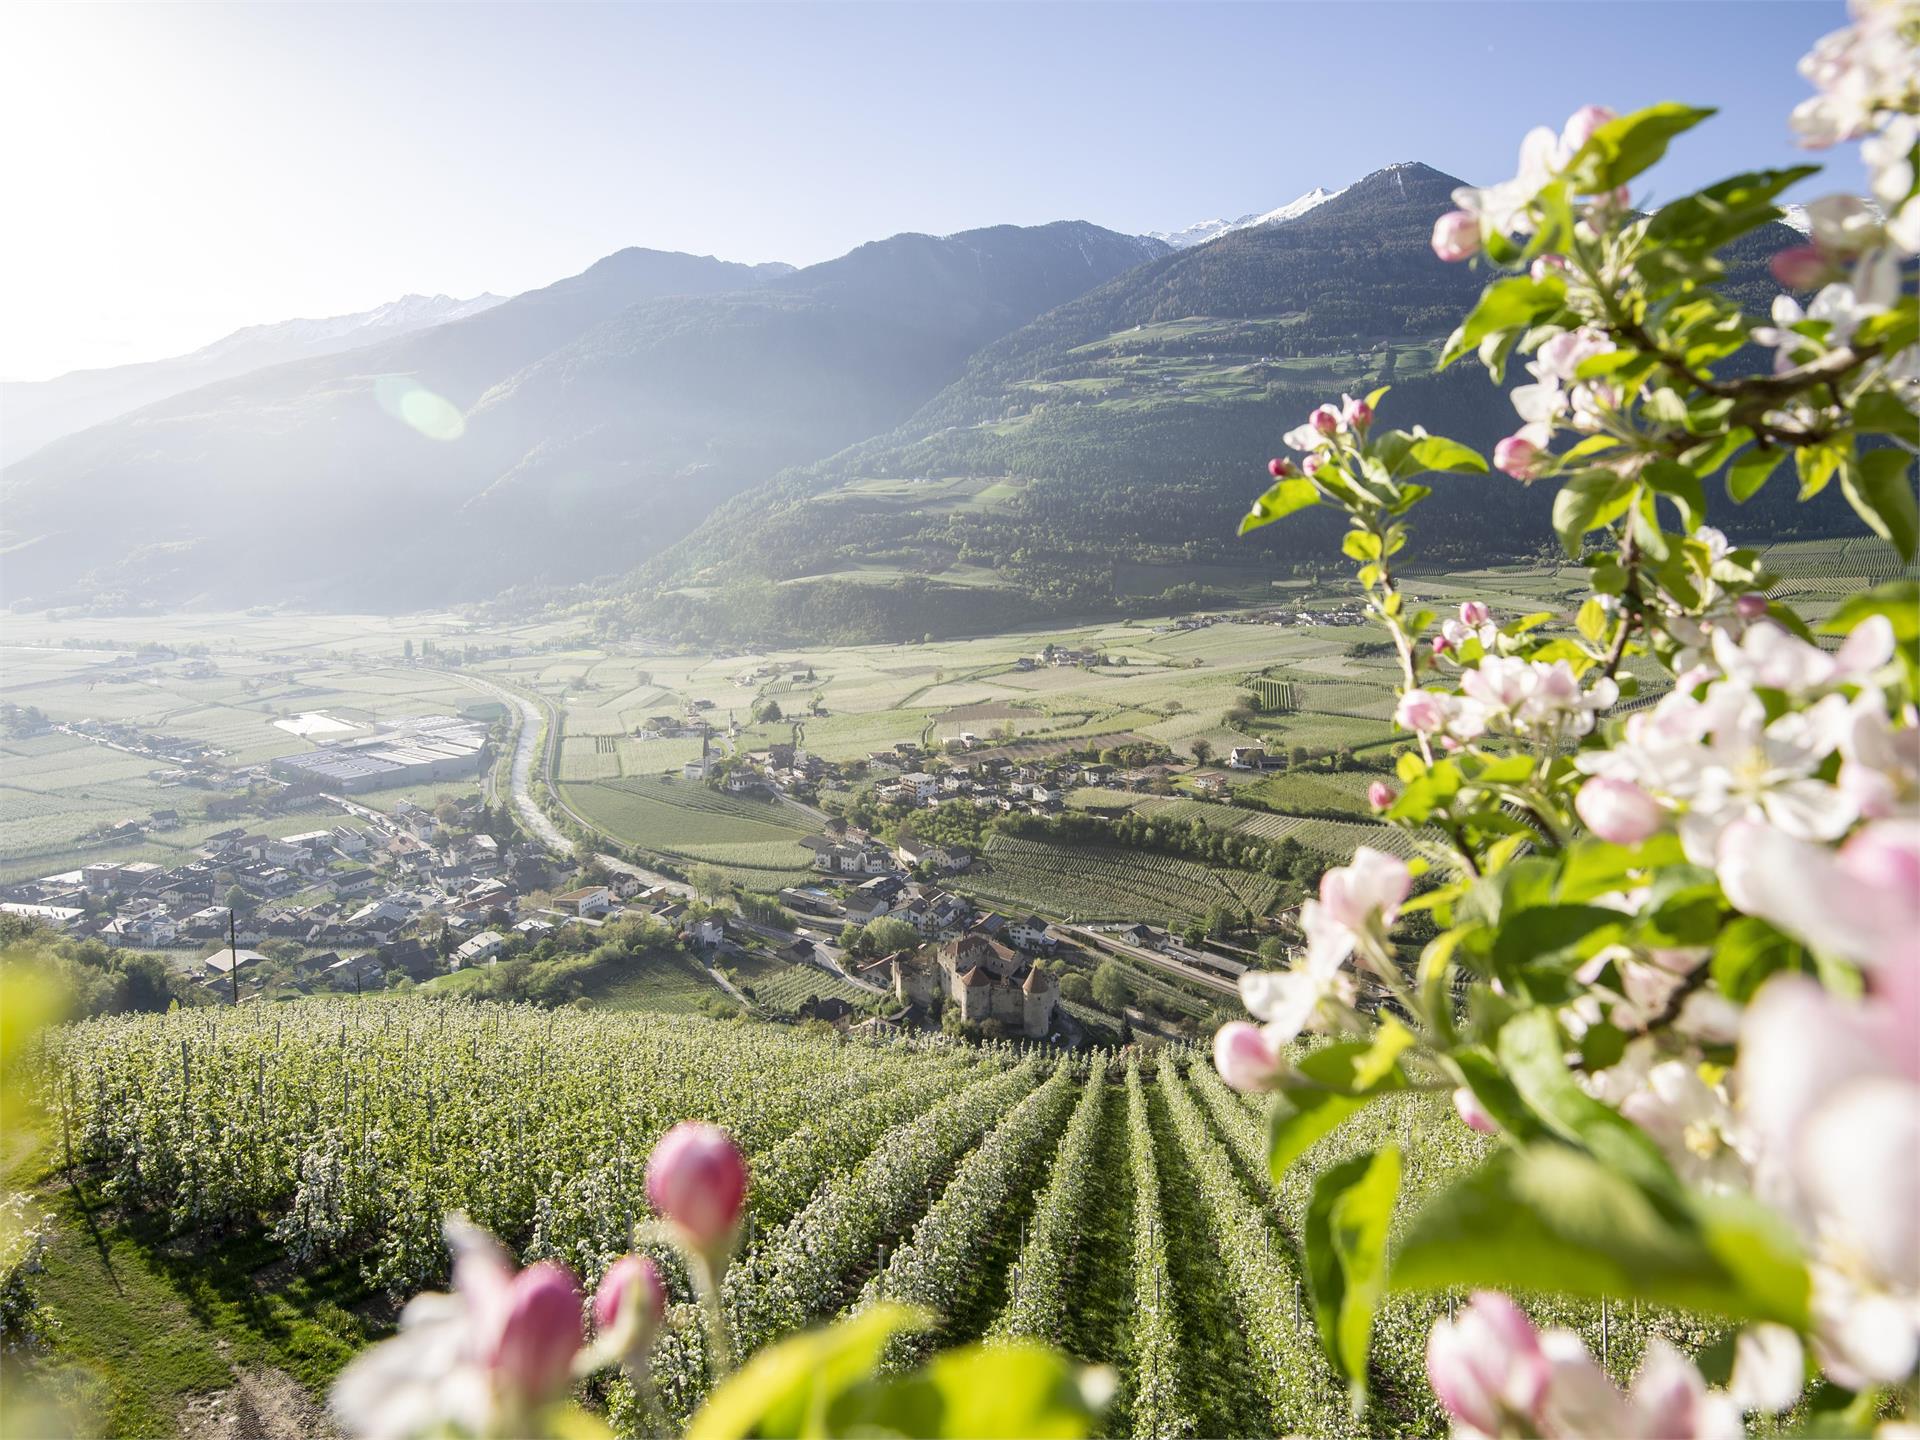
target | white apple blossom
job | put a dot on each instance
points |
(1534, 698)
(1692, 1122)
(1862, 72)
(1558, 395)
(1830, 1105)
(1496, 1375)
(1880, 762)
(1288, 1001)
(1767, 657)
(1753, 769)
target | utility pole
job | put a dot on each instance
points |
(233, 958)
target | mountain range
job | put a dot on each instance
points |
(567, 432)
(1202, 231)
(39, 411)
(925, 435)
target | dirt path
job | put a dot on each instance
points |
(260, 1405)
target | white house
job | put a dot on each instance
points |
(481, 948)
(1029, 933)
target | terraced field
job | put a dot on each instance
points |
(1097, 882)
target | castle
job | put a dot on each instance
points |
(985, 980)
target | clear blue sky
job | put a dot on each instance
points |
(189, 169)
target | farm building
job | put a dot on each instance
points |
(435, 747)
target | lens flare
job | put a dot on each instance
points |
(418, 408)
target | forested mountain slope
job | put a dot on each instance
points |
(565, 433)
(1093, 453)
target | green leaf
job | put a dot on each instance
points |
(1588, 501)
(997, 1392)
(1748, 952)
(1346, 1249)
(1880, 489)
(785, 1388)
(1709, 218)
(1680, 485)
(1752, 470)
(1533, 1051)
(1344, 1078)
(1436, 452)
(1593, 867)
(823, 1382)
(1898, 600)
(1360, 545)
(1283, 497)
(1549, 1218)
(1816, 464)
(1545, 942)
(1510, 304)
(1624, 147)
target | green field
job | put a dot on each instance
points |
(1098, 882)
(689, 819)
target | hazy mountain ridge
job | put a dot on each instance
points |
(572, 429)
(35, 412)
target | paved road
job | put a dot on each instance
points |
(526, 746)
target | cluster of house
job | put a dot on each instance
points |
(780, 769)
(1059, 656)
(175, 750)
(353, 896)
(994, 782)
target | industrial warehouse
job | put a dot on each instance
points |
(432, 747)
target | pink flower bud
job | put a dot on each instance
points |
(1456, 236)
(1471, 1112)
(629, 1305)
(1475, 613)
(1801, 267)
(1380, 795)
(1279, 468)
(1546, 265)
(1486, 1367)
(1441, 645)
(1519, 457)
(630, 1280)
(697, 1178)
(1360, 416)
(1244, 1058)
(1582, 123)
(532, 1357)
(1310, 466)
(1618, 811)
(1326, 420)
(1751, 607)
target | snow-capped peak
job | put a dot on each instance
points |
(1201, 231)
(396, 317)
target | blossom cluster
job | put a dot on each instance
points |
(496, 1354)
(1674, 847)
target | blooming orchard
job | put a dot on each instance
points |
(1688, 936)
